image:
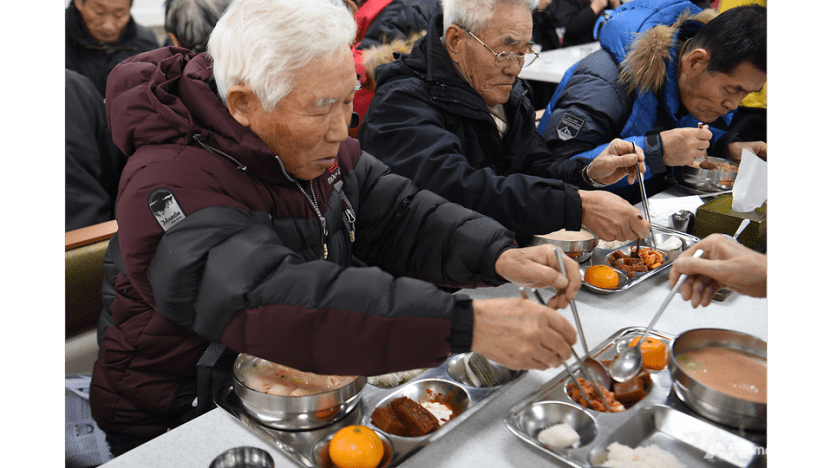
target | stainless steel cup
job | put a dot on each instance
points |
(683, 221)
(243, 457)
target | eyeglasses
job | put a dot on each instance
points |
(504, 58)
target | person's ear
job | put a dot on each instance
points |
(454, 41)
(696, 61)
(173, 40)
(242, 102)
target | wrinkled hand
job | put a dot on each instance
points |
(681, 146)
(610, 217)
(619, 159)
(536, 267)
(521, 333)
(725, 263)
(736, 148)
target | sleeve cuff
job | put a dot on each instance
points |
(461, 328)
(654, 153)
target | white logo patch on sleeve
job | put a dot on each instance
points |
(165, 208)
(568, 127)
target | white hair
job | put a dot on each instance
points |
(266, 43)
(474, 14)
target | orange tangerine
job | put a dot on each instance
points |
(356, 447)
(602, 276)
(654, 353)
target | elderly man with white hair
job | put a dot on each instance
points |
(453, 116)
(249, 222)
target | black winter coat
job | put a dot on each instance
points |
(399, 20)
(94, 59)
(428, 124)
(93, 162)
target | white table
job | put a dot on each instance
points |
(482, 440)
(552, 64)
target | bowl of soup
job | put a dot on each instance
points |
(715, 179)
(579, 245)
(722, 375)
(281, 397)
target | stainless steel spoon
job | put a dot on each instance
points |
(629, 361)
(706, 164)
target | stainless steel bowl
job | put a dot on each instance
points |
(243, 457)
(705, 179)
(706, 401)
(295, 412)
(579, 250)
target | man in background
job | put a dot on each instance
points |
(99, 35)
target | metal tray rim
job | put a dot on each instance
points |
(371, 396)
(602, 253)
(613, 421)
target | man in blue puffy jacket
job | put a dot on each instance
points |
(665, 67)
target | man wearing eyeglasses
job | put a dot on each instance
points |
(453, 117)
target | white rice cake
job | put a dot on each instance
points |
(559, 436)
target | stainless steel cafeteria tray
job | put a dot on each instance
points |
(661, 234)
(659, 419)
(309, 448)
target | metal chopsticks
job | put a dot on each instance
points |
(582, 367)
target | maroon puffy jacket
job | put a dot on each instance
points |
(217, 243)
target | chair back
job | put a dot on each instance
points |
(85, 249)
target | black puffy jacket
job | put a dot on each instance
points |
(428, 124)
(217, 243)
(399, 20)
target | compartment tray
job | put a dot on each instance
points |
(659, 419)
(300, 446)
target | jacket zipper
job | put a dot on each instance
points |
(239, 165)
(348, 210)
(324, 232)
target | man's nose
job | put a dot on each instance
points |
(514, 67)
(109, 25)
(338, 127)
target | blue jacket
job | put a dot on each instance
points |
(592, 104)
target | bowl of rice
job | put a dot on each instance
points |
(281, 397)
(579, 245)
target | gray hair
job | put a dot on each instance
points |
(265, 43)
(192, 21)
(474, 14)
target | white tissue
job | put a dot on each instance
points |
(750, 188)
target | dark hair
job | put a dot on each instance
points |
(735, 36)
(192, 21)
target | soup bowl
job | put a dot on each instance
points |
(718, 402)
(294, 412)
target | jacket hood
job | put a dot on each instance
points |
(167, 96)
(643, 37)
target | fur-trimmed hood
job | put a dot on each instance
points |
(643, 40)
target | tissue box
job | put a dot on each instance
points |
(717, 216)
